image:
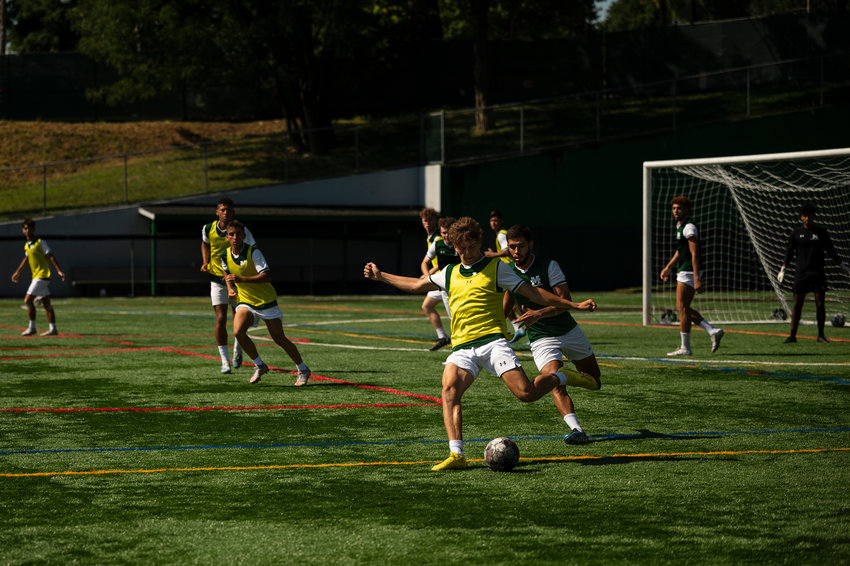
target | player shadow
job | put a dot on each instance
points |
(646, 434)
(529, 466)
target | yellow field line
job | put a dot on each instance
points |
(416, 462)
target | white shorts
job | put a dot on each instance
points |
(270, 313)
(439, 294)
(497, 357)
(687, 277)
(39, 288)
(574, 345)
(218, 294)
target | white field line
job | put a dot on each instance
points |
(356, 320)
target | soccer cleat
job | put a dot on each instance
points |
(715, 340)
(680, 351)
(581, 379)
(518, 335)
(302, 378)
(225, 367)
(454, 462)
(28, 332)
(823, 340)
(53, 332)
(439, 344)
(790, 340)
(259, 370)
(237, 358)
(576, 437)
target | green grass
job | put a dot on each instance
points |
(735, 457)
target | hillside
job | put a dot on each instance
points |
(30, 143)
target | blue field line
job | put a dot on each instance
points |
(597, 437)
(724, 368)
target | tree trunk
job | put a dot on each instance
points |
(480, 66)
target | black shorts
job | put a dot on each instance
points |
(810, 283)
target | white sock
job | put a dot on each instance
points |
(707, 326)
(456, 446)
(572, 422)
(32, 324)
(237, 349)
(686, 340)
(258, 361)
(302, 366)
(441, 333)
(222, 351)
(52, 326)
(561, 377)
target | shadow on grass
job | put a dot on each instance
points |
(645, 434)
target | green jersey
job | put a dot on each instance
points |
(441, 252)
(545, 274)
(686, 231)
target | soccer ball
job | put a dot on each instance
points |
(501, 454)
(669, 317)
(838, 320)
(779, 314)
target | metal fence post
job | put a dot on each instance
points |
(126, 191)
(206, 171)
(44, 189)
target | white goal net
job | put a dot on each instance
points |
(745, 208)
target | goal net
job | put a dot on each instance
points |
(745, 208)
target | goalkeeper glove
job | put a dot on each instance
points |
(781, 275)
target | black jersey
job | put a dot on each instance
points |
(810, 247)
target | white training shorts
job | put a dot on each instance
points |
(687, 277)
(39, 288)
(441, 295)
(574, 345)
(270, 313)
(218, 294)
(497, 357)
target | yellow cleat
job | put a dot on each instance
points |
(581, 379)
(453, 462)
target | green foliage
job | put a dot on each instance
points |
(39, 26)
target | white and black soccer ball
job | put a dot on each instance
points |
(838, 320)
(501, 454)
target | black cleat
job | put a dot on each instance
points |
(439, 344)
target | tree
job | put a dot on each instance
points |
(38, 26)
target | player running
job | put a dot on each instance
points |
(248, 280)
(688, 277)
(552, 332)
(809, 243)
(475, 288)
(213, 243)
(440, 254)
(39, 256)
(429, 223)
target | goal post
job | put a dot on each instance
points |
(745, 208)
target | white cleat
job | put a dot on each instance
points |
(53, 332)
(302, 378)
(715, 340)
(680, 352)
(237, 358)
(225, 367)
(258, 373)
(28, 332)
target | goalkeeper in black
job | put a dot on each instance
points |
(809, 243)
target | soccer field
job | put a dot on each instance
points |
(120, 442)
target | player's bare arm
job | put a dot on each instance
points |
(205, 257)
(427, 267)
(17, 274)
(407, 284)
(665, 273)
(548, 299)
(530, 316)
(56, 265)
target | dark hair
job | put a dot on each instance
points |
(464, 232)
(681, 200)
(519, 231)
(226, 201)
(496, 213)
(28, 222)
(428, 214)
(236, 224)
(446, 222)
(808, 208)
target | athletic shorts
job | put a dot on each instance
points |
(270, 313)
(497, 357)
(439, 294)
(810, 283)
(39, 288)
(574, 345)
(218, 294)
(687, 277)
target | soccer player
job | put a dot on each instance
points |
(248, 280)
(475, 288)
(440, 254)
(39, 256)
(213, 243)
(430, 224)
(502, 252)
(552, 331)
(809, 243)
(688, 277)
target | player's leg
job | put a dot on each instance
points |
(456, 380)
(51, 317)
(275, 327)
(796, 314)
(243, 319)
(29, 301)
(820, 312)
(684, 296)
(428, 304)
(220, 302)
(237, 349)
